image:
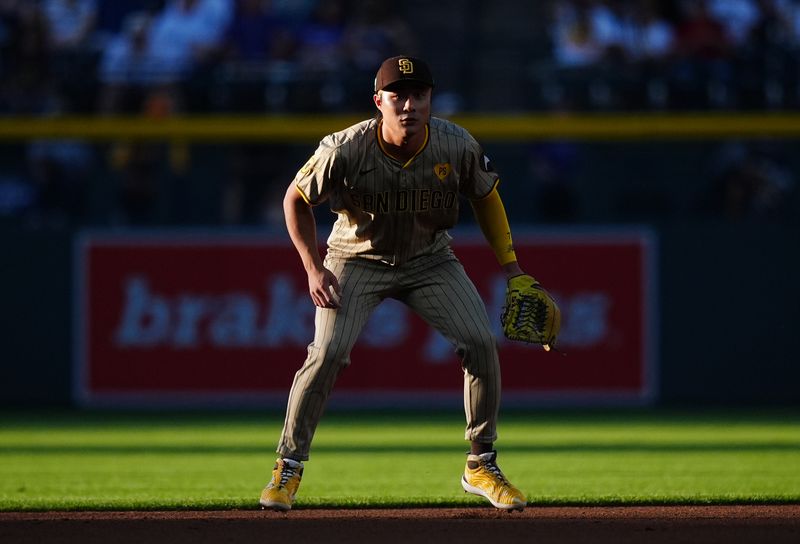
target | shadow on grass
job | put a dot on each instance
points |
(732, 447)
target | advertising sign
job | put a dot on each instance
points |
(204, 319)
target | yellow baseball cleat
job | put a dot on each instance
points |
(483, 477)
(280, 491)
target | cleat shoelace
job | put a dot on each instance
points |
(287, 473)
(494, 469)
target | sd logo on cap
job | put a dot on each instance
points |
(403, 69)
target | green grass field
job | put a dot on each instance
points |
(151, 461)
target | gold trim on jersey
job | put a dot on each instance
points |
(382, 144)
(302, 194)
(487, 195)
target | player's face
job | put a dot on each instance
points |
(405, 109)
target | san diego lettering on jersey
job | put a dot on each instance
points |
(390, 211)
(404, 201)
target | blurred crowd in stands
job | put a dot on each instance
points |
(682, 54)
(320, 55)
(166, 57)
(193, 55)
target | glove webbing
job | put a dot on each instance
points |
(530, 319)
(532, 314)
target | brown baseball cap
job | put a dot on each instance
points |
(403, 68)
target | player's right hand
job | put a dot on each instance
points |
(324, 288)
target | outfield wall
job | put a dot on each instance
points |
(193, 317)
(727, 295)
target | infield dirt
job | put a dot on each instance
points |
(775, 524)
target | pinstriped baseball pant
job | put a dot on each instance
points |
(435, 287)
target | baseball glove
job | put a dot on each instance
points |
(530, 314)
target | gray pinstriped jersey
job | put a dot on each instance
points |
(387, 210)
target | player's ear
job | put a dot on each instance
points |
(377, 99)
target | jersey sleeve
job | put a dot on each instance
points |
(316, 179)
(479, 178)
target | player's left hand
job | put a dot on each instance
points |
(530, 313)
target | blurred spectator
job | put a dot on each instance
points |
(26, 76)
(612, 28)
(137, 80)
(293, 10)
(738, 17)
(703, 73)
(765, 65)
(112, 14)
(258, 52)
(174, 49)
(73, 48)
(372, 34)
(252, 31)
(127, 71)
(653, 36)
(575, 49)
(750, 181)
(321, 38)
(17, 196)
(574, 41)
(790, 13)
(321, 58)
(552, 166)
(183, 43)
(60, 170)
(597, 47)
(253, 191)
(135, 172)
(652, 48)
(142, 171)
(70, 22)
(187, 34)
(773, 31)
(699, 34)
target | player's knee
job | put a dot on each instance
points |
(328, 356)
(479, 352)
(483, 341)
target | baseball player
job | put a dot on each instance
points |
(394, 181)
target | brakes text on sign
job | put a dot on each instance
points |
(214, 317)
(232, 319)
(283, 315)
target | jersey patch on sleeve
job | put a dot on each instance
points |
(308, 167)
